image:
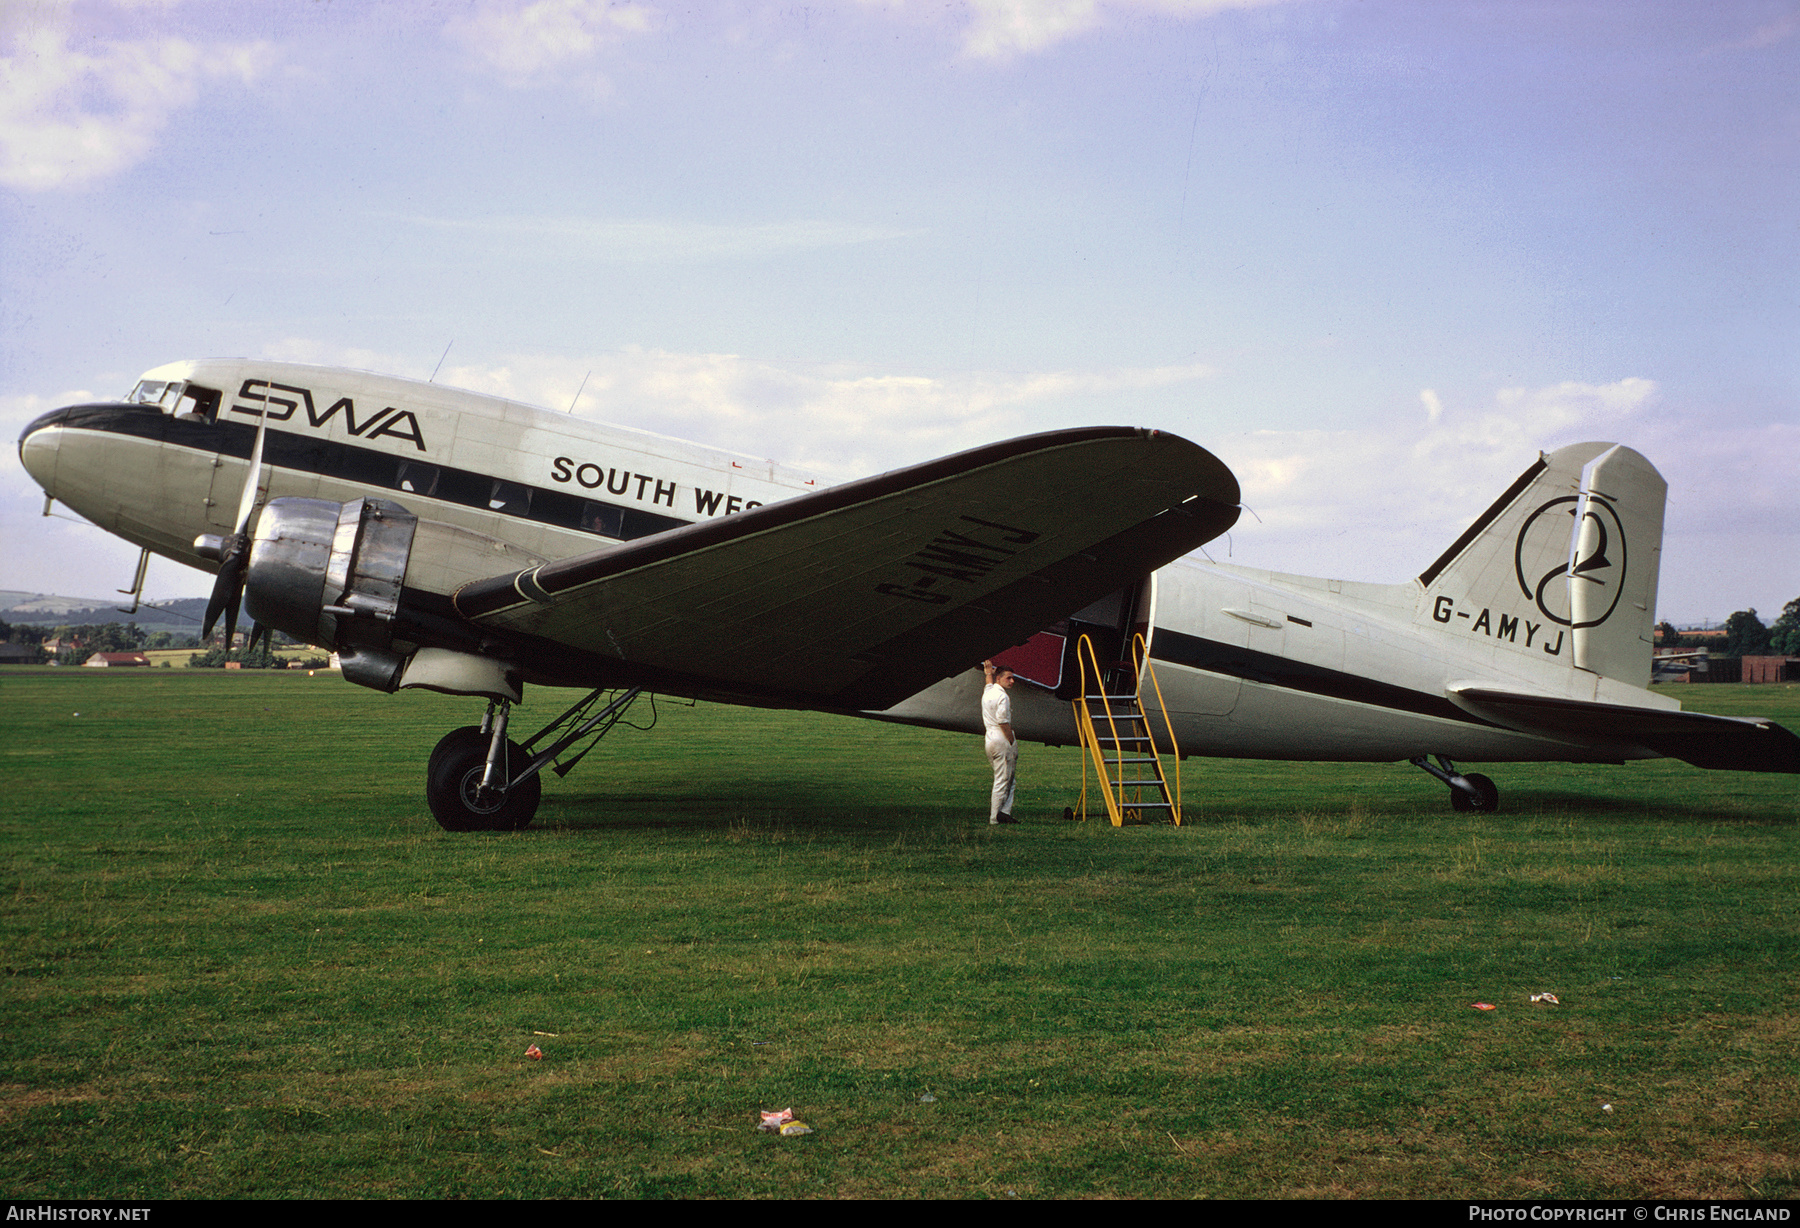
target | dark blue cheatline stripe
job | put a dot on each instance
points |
(369, 467)
(1270, 670)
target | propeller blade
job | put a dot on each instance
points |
(231, 613)
(228, 586)
(215, 604)
(247, 500)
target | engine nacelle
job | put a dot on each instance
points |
(330, 574)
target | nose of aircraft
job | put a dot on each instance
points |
(38, 444)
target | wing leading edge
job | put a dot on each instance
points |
(863, 594)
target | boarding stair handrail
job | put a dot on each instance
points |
(1122, 761)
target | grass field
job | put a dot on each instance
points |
(241, 961)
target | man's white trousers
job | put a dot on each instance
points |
(1004, 756)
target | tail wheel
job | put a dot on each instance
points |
(1487, 802)
(453, 785)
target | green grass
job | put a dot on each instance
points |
(241, 961)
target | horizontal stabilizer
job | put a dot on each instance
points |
(860, 595)
(1724, 742)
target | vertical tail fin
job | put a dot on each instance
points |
(1564, 563)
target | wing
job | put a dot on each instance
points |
(863, 594)
(1725, 742)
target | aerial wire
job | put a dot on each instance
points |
(580, 390)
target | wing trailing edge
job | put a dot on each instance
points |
(860, 595)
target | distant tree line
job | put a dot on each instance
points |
(258, 658)
(21, 634)
(84, 640)
(10, 634)
(1745, 635)
(78, 642)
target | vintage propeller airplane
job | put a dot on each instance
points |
(468, 544)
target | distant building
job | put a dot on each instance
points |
(1767, 669)
(116, 660)
(19, 654)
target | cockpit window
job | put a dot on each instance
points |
(157, 392)
(177, 397)
(200, 404)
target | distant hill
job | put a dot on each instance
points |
(41, 603)
(183, 615)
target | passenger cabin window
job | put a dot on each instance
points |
(510, 498)
(602, 518)
(417, 479)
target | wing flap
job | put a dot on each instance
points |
(1723, 742)
(862, 594)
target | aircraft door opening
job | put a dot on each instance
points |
(1110, 624)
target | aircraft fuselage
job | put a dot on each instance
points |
(1251, 664)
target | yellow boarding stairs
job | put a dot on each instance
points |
(1121, 745)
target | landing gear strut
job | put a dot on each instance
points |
(477, 780)
(1470, 793)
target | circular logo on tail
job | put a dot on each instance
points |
(1541, 557)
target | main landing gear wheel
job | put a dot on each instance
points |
(1486, 803)
(453, 785)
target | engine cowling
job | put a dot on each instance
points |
(333, 574)
(330, 574)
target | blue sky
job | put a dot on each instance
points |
(1373, 254)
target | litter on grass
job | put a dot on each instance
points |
(782, 1122)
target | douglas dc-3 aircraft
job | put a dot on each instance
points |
(443, 539)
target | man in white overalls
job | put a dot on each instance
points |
(1002, 746)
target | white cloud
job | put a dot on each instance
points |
(837, 423)
(830, 421)
(1004, 28)
(1402, 490)
(528, 42)
(1010, 27)
(69, 116)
